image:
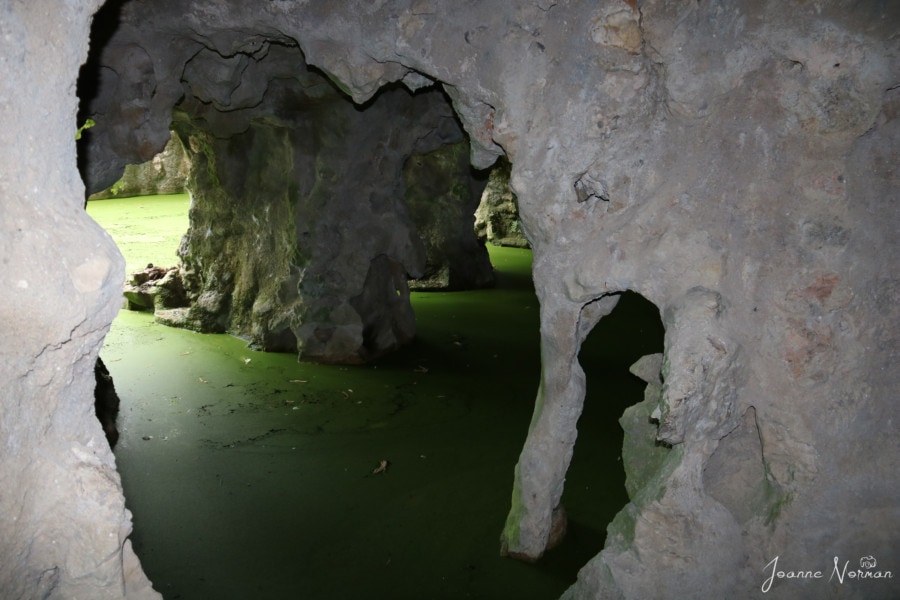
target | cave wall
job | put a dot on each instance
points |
(165, 173)
(302, 229)
(443, 193)
(63, 523)
(497, 215)
(735, 163)
(300, 238)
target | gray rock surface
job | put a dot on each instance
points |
(308, 212)
(442, 193)
(63, 523)
(300, 226)
(155, 287)
(735, 163)
(497, 215)
(165, 173)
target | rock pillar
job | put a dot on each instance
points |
(301, 237)
(63, 522)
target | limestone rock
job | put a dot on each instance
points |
(63, 522)
(165, 173)
(442, 193)
(300, 214)
(642, 454)
(735, 163)
(155, 288)
(302, 232)
(497, 215)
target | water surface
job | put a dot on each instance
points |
(250, 475)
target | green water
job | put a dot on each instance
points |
(250, 475)
(147, 229)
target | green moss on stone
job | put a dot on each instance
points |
(620, 532)
(647, 463)
(512, 528)
(642, 454)
(778, 501)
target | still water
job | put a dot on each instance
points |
(250, 475)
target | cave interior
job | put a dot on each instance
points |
(730, 167)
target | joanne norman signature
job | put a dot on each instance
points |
(866, 570)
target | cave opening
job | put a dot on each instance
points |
(234, 494)
(727, 170)
(617, 418)
(228, 454)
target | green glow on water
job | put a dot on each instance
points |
(146, 229)
(250, 474)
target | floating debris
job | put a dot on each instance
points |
(382, 467)
(298, 381)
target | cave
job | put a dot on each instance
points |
(735, 164)
(249, 474)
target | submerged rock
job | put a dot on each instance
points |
(155, 288)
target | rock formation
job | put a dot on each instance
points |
(301, 235)
(156, 288)
(497, 215)
(63, 522)
(734, 163)
(165, 173)
(442, 194)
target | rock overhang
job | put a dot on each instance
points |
(730, 163)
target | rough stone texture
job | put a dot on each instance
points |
(63, 523)
(735, 163)
(300, 239)
(497, 215)
(165, 173)
(442, 194)
(642, 454)
(157, 288)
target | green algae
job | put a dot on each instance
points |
(250, 475)
(147, 229)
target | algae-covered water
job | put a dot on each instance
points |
(250, 475)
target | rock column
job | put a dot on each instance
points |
(301, 236)
(63, 522)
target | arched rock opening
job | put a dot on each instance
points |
(737, 165)
(618, 342)
(304, 205)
